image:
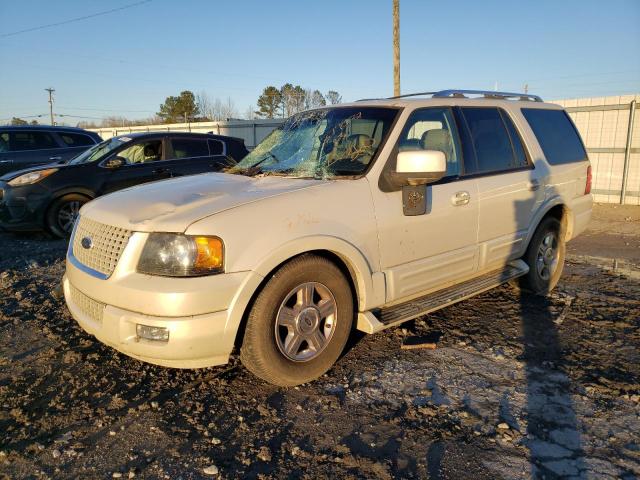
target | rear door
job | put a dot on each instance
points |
(74, 143)
(509, 188)
(190, 156)
(144, 163)
(25, 148)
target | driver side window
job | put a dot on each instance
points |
(143, 152)
(433, 129)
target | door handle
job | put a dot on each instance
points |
(6, 161)
(55, 159)
(460, 198)
(160, 171)
(534, 185)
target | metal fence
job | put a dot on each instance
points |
(610, 129)
(252, 131)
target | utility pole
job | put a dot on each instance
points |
(396, 47)
(50, 90)
(526, 88)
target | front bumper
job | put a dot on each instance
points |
(20, 211)
(202, 314)
(194, 341)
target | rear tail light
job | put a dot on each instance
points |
(587, 187)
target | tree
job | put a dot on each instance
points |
(314, 99)
(177, 109)
(269, 102)
(334, 97)
(33, 122)
(18, 121)
(293, 99)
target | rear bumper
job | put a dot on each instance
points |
(581, 208)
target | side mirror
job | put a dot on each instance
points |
(115, 162)
(419, 167)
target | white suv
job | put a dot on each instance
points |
(361, 215)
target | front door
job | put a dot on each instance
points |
(143, 164)
(430, 251)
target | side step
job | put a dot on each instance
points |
(374, 321)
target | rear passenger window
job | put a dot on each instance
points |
(556, 134)
(521, 159)
(491, 141)
(187, 147)
(31, 141)
(76, 139)
(216, 147)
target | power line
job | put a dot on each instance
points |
(71, 20)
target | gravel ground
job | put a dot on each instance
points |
(517, 387)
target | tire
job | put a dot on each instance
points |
(63, 212)
(293, 333)
(545, 258)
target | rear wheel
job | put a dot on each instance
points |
(63, 213)
(545, 258)
(299, 323)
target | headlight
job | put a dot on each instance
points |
(177, 255)
(31, 177)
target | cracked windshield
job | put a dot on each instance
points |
(325, 143)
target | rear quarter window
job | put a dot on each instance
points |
(76, 139)
(556, 135)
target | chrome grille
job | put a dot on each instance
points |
(107, 245)
(90, 307)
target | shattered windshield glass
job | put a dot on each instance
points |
(325, 143)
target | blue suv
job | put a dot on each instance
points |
(26, 146)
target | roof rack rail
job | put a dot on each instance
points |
(487, 94)
(453, 93)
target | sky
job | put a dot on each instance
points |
(128, 61)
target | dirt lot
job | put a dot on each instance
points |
(518, 387)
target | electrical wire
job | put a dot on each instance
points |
(72, 20)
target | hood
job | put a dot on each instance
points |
(172, 205)
(16, 173)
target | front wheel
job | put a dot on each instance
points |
(63, 213)
(545, 257)
(299, 322)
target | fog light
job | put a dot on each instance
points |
(157, 334)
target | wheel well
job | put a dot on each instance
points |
(59, 196)
(561, 213)
(344, 267)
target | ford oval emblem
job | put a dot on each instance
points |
(86, 243)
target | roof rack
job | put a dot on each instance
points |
(487, 94)
(464, 94)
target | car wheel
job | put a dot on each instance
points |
(545, 257)
(299, 323)
(63, 213)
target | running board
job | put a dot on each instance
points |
(374, 321)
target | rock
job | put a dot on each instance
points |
(154, 405)
(503, 426)
(116, 475)
(264, 454)
(112, 433)
(216, 441)
(56, 453)
(211, 470)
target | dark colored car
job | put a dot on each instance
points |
(49, 196)
(25, 146)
